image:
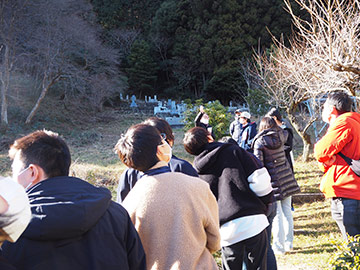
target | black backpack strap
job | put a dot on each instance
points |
(347, 159)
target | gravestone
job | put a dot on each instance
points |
(133, 103)
(174, 121)
(173, 108)
(160, 109)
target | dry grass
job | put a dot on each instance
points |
(314, 228)
(94, 160)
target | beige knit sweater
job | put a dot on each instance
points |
(176, 216)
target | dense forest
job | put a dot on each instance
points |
(190, 48)
(93, 50)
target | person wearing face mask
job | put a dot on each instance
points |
(15, 214)
(235, 127)
(175, 214)
(74, 224)
(202, 120)
(340, 182)
(130, 176)
(248, 131)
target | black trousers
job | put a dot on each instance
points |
(254, 248)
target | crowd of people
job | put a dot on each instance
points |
(170, 214)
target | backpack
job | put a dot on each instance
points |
(354, 164)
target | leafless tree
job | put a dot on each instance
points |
(322, 56)
(11, 13)
(124, 39)
(66, 46)
(53, 41)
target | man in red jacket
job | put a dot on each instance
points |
(339, 182)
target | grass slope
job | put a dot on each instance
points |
(91, 143)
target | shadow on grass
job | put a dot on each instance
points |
(312, 175)
(317, 229)
(329, 248)
(321, 215)
(314, 232)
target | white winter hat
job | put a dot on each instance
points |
(245, 115)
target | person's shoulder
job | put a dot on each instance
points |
(189, 181)
(116, 218)
(130, 176)
(352, 118)
(180, 165)
(63, 184)
(118, 210)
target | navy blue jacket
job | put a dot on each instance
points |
(247, 134)
(75, 226)
(5, 265)
(129, 177)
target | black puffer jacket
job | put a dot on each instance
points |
(268, 146)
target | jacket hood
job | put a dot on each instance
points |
(65, 207)
(271, 138)
(208, 157)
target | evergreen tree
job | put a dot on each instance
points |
(142, 69)
(207, 39)
(132, 14)
(198, 43)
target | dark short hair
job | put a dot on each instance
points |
(266, 123)
(340, 100)
(45, 149)
(138, 147)
(274, 113)
(162, 126)
(195, 140)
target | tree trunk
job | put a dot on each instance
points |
(302, 133)
(44, 90)
(5, 79)
(306, 148)
(4, 116)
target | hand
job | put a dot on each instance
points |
(331, 161)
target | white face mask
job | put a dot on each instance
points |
(169, 154)
(170, 150)
(27, 187)
(15, 178)
(326, 112)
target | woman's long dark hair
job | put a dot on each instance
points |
(266, 123)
